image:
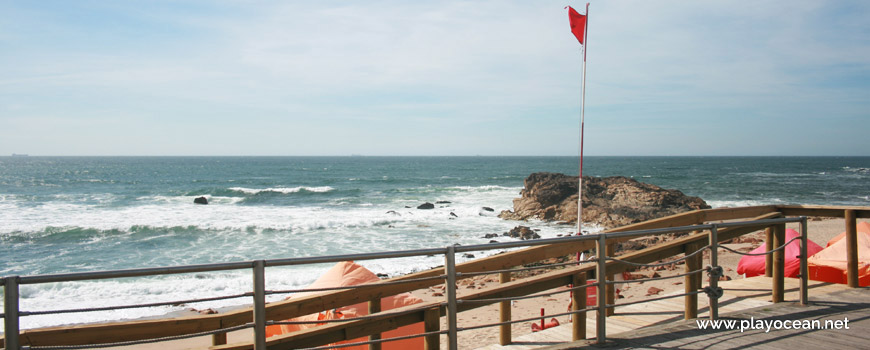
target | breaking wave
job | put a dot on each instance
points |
(284, 190)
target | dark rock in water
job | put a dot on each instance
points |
(610, 201)
(200, 200)
(442, 202)
(488, 209)
(468, 255)
(394, 213)
(426, 205)
(490, 235)
(522, 232)
(493, 241)
(452, 214)
(408, 206)
(382, 275)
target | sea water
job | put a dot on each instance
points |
(75, 214)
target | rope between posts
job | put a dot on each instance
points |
(460, 329)
(654, 299)
(288, 291)
(765, 253)
(377, 341)
(358, 318)
(641, 280)
(470, 274)
(496, 300)
(139, 342)
(121, 307)
(664, 263)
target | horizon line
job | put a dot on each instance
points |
(21, 155)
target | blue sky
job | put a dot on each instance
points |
(433, 78)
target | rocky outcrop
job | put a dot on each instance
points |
(522, 232)
(200, 200)
(610, 201)
(426, 205)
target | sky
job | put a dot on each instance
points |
(430, 78)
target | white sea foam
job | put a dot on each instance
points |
(857, 170)
(74, 295)
(484, 188)
(743, 203)
(167, 231)
(285, 190)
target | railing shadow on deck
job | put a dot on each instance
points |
(708, 336)
(260, 315)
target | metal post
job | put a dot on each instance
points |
(10, 290)
(601, 250)
(259, 305)
(450, 287)
(714, 278)
(804, 270)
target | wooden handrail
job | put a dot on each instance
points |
(526, 286)
(823, 211)
(146, 329)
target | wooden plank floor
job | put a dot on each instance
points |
(740, 295)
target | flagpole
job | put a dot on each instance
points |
(582, 127)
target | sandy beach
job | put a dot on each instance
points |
(820, 231)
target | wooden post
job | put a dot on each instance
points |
(778, 289)
(578, 302)
(219, 339)
(432, 323)
(851, 249)
(692, 282)
(375, 307)
(611, 288)
(504, 314)
(768, 245)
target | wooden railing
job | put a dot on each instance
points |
(429, 313)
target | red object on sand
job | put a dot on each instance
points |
(829, 265)
(753, 265)
(553, 323)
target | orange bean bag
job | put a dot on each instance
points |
(829, 265)
(348, 273)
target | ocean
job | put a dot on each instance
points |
(74, 214)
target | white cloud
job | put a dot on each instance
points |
(393, 68)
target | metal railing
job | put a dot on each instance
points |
(259, 322)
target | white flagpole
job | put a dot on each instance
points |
(582, 122)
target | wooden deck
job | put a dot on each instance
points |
(660, 324)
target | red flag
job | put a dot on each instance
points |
(578, 23)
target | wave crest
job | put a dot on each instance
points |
(283, 190)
